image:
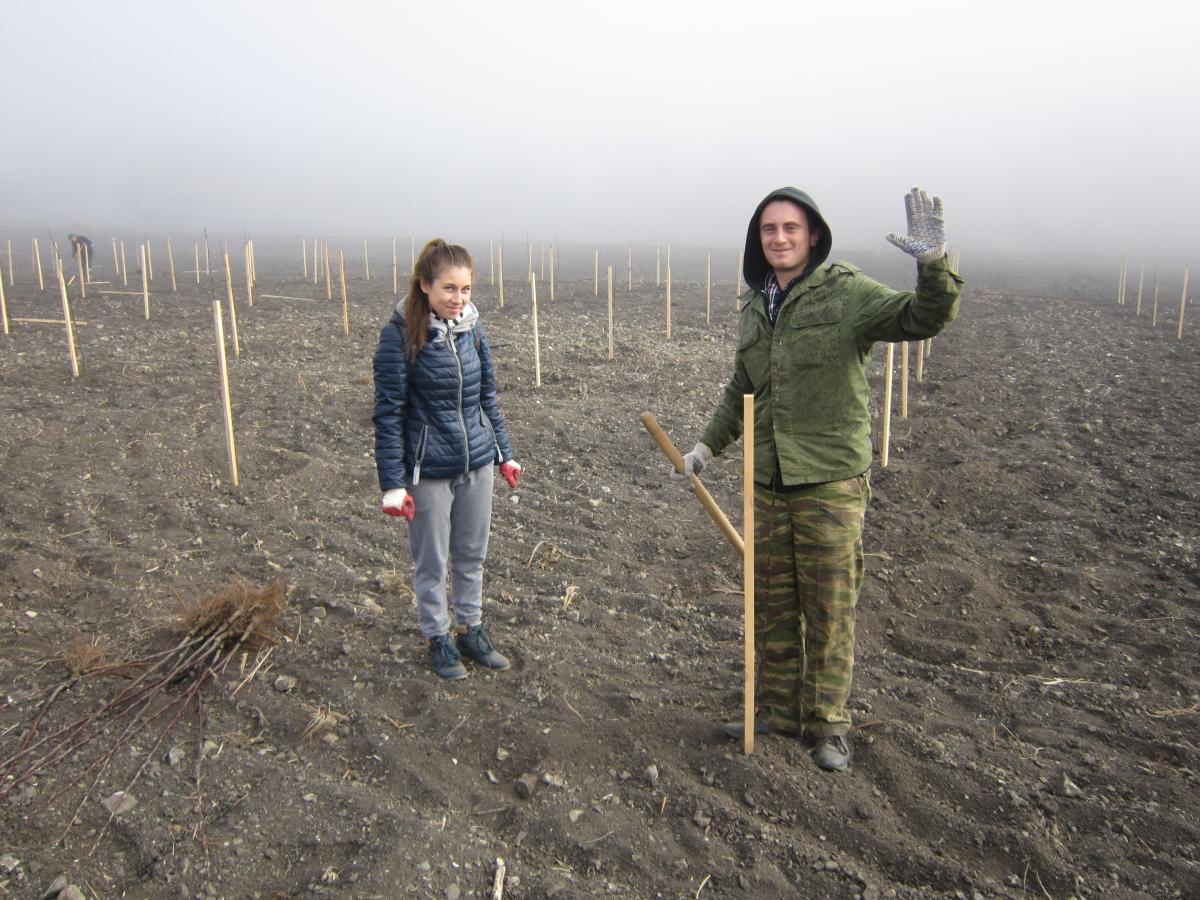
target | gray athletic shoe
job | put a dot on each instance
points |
(446, 659)
(476, 645)
(831, 753)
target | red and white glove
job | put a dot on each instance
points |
(511, 471)
(397, 502)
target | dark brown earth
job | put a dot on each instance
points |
(1026, 691)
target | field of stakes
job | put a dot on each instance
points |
(1026, 690)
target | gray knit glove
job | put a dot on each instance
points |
(926, 238)
(693, 463)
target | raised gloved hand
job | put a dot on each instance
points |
(397, 502)
(511, 471)
(694, 462)
(926, 238)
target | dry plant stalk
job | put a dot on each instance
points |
(162, 687)
(324, 718)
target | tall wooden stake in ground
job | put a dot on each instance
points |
(500, 267)
(553, 254)
(145, 281)
(366, 262)
(887, 406)
(3, 307)
(226, 406)
(1141, 281)
(66, 305)
(345, 298)
(668, 303)
(82, 273)
(737, 277)
(610, 314)
(233, 326)
(904, 380)
(171, 261)
(747, 569)
(629, 266)
(37, 261)
(328, 277)
(124, 269)
(537, 351)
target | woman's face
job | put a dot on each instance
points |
(449, 292)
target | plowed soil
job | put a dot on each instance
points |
(1025, 698)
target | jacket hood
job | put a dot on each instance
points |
(754, 265)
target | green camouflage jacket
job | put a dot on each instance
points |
(808, 372)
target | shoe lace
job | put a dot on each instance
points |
(444, 652)
(482, 639)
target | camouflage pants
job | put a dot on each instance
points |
(808, 568)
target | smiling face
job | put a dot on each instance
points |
(449, 292)
(787, 241)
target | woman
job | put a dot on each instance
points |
(438, 432)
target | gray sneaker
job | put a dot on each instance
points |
(476, 645)
(446, 659)
(831, 753)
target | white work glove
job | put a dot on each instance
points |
(926, 238)
(396, 502)
(693, 463)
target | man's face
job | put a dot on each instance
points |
(787, 241)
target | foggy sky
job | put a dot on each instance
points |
(1045, 129)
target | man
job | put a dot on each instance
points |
(79, 242)
(806, 335)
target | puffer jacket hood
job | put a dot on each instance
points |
(754, 265)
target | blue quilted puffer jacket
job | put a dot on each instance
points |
(437, 416)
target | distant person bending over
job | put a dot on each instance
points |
(79, 242)
(804, 342)
(438, 433)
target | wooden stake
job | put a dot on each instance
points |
(500, 260)
(1182, 304)
(328, 277)
(345, 297)
(3, 307)
(747, 568)
(249, 276)
(1121, 283)
(196, 249)
(207, 259)
(1141, 279)
(708, 290)
(223, 372)
(629, 268)
(233, 326)
(552, 256)
(124, 270)
(116, 262)
(37, 261)
(887, 406)
(904, 380)
(366, 261)
(316, 260)
(737, 278)
(145, 282)
(149, 261)
(702, 494)
(304, 256)
(610, 314)
(66, 305)
(596, 276)
(82, 272)
(171, 262)
(537, 352)
(920, 360)
(543, 269)
(395, 272)
(668, 303)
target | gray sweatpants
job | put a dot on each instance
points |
(453, 518)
